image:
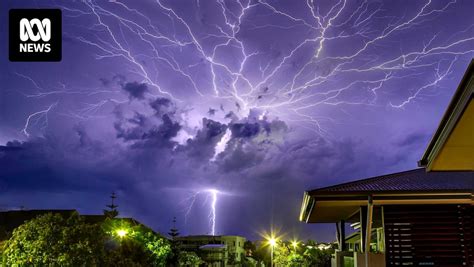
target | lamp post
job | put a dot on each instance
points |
(272, 243)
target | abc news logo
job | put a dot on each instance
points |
(35, 35)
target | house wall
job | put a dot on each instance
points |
(429, 235)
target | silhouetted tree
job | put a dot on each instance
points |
(174, 232)
(112, 212)
(175, 249)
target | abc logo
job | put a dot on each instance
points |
(35, 35)
(26, 30)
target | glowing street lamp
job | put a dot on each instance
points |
(121, 233)
(295, 245)
(273, 242)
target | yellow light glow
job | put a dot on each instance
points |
(272, 242)
(295, 243)
(122, 232)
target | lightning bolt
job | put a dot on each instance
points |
(213, 213)
(36, 118)
(209, 193)
(307, 78)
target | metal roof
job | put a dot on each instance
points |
(417, 180)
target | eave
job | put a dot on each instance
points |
(456, 108)
(332, 207)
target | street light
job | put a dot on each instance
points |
(273, 242)
(295, 245)
(122, 233)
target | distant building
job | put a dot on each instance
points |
(216, 251)
(421, 217)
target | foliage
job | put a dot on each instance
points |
(317, 257)
(159, 248)
(249, 262)
(140, 243)
(189, 259)
(296, 260)
(52, 240)
(249, 247)
(285, 254)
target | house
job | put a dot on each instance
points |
(421, 217)
(223, 250)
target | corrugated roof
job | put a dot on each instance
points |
(414, 180)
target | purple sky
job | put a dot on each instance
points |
(261, 100)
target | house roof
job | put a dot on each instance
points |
(453, 115)
(417, 180)
(414, 187)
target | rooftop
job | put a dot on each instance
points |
(417, 180)
(418, 187)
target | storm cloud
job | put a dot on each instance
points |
(159, 105)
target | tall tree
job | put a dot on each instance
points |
(112, 212)
(174, 232)
(175, 249)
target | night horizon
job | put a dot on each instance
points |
(225, 110)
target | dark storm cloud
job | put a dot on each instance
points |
(161, 136)
(238, 157)
(244, 130)
(251, 142)
(135, 90)
(211, 112)
(154, 130)
(251, 128)
(143, 133)
(231, 115)
(162, 105)
(201, 147)
(137, 129)
(46, 165)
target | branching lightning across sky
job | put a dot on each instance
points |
(308, 86)
(216, 63)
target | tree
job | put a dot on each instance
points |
(112, 212)
(51, 240)
(159, 248)
(317, 257)
(141, 245)
(249, 248)
(174, 232)
(190, 259)
(175, 249)
(306, 255)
